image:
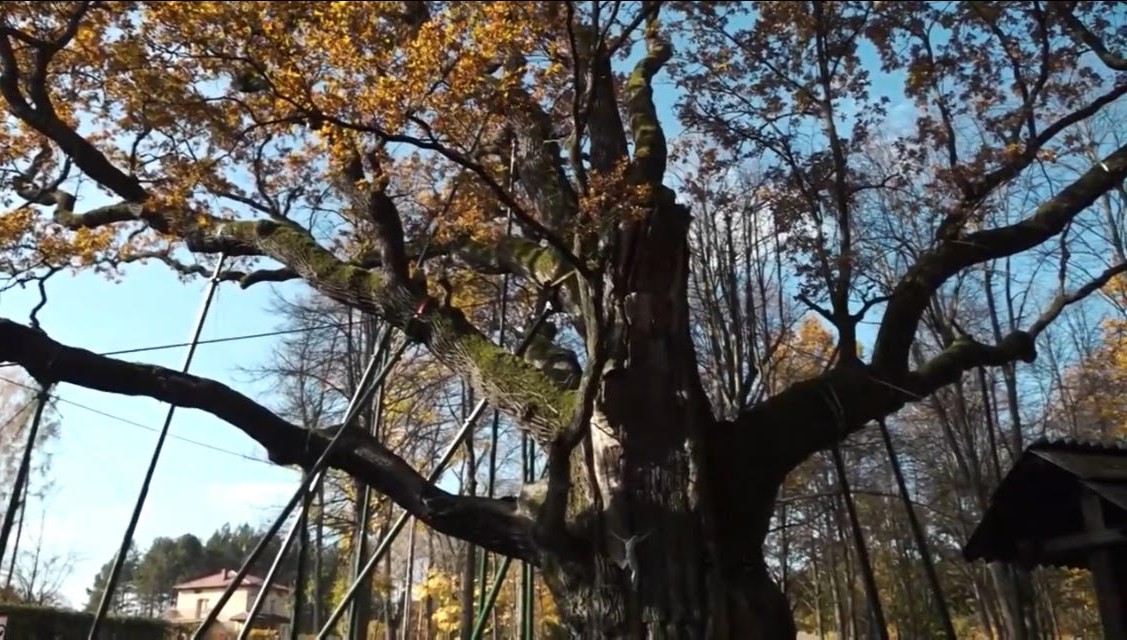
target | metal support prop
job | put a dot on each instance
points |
(318, 558)
(494, 435)
(356, 630)
(917, 533)
(135, 516)
(368, 383)
(494, 591)
(297, 600)
(408, 583)
(527, 583)
(272, 573)
(19, 488)
(16, 542)
(491, 598)
(447, 456)
(385, 544)
(867, 577)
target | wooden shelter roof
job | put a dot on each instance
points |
(1034, 517)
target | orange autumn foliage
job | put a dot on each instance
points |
(219, 125)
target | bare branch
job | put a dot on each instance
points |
(911, 295)
(43, 118)
(815, 307)
(1084, 35)
(867, 305)
(1062, 300)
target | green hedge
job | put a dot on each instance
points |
(43, 623)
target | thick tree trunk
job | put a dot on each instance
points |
(666, 524)
(685, 579)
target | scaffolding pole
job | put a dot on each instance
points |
(448, 455)
(355, 632)
(364, 391)
(18, 499)
(135, 516)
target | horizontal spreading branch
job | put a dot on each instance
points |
(913, 293)
(1063, 299)
(491, 523)
(814, 414)
(513, 384)
(511, 255)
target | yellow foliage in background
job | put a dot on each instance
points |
(802, 354)
(1093, 393)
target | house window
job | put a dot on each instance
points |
(202, 607)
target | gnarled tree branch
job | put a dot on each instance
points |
(40, 114)
(804, 418)
(509, 382)
(910, 297)
(492, 523)
(1063, 299)
(382, 212)
(811, 415)
(1084, 35)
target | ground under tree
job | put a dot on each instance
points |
(365, 149)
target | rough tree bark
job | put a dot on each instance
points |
(651, 520)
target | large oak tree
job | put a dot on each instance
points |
(366, 148)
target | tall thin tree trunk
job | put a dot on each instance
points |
(469, 487)
(985, 609)
(409, 577)
(818, 621)
(428, 603)
(839, 606)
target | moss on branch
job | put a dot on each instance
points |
(504, 378)
(514, 385)
(531, 397)
(650, 150)
(520, 256)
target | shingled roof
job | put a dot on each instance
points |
(220, 580)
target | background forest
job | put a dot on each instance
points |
(748, 154)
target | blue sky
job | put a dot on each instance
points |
(99, 461)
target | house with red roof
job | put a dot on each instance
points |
(193, 601)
